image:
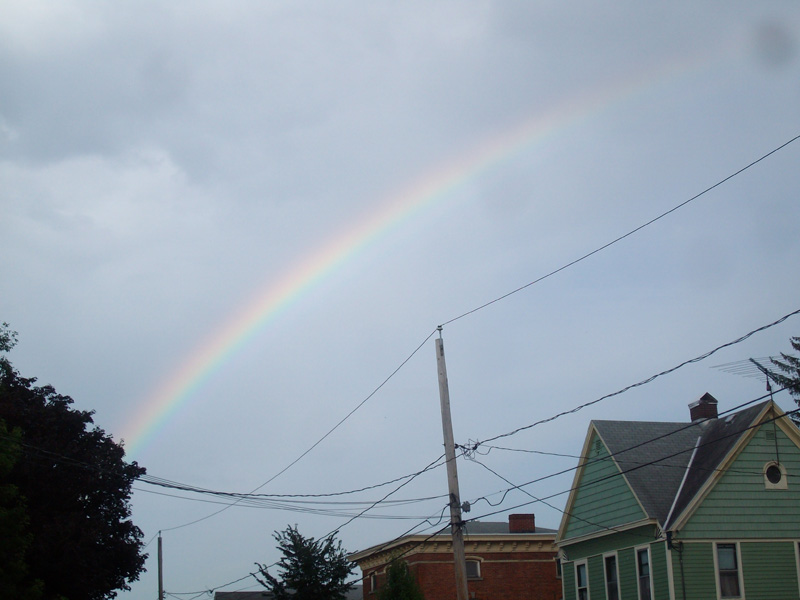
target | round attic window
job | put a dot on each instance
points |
(775, 476)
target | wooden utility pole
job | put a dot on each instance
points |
(459, 557)
(160, 570)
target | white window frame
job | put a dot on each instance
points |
(636, 552)
(797, 560)
(585, 564)
(738, 551)
(605, 571)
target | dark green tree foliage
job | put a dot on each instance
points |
(400, 583)
(76, 490)
(14, 536)
(310, 569)
(790, 373)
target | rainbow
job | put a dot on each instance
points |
(278, 296)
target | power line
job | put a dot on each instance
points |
(622, 237)
(630, 448)
(485, 305)
(633, 468)
(544, 499)
(157, 481)
(319, 441)
(638, 384)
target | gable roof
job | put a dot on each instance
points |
(720, 437)
(652, 457)
(667, 466)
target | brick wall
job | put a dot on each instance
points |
(503, 576)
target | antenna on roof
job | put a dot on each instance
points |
(766, 373)
(746, 368)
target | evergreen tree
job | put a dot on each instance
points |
(311, 569)
(790, 376)
(400, 583)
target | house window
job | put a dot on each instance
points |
(612, 581)
(775, 476)
(582, 581)
(728, 571)
(643, 573)
(373, 582)
(558, 568)
(473, 569)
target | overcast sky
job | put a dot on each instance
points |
(166, 168)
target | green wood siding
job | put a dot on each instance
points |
(603, 498)
(740, 507)
(698, 568)
(597, 579)
(568, 580)
(658, 571)
(628, 588)
(769, 570)
(623, 543)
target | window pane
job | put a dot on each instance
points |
(473, 569)
(644, 588)
(581, 571)
(728, 571)
(611, 568)
(726, 554)
(729, 585)
(644, 563)
(643, 566)
(612, 591)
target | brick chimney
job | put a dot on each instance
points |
(522, 523)
(704, 408)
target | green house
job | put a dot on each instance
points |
(686, 511)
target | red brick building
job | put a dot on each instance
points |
(505, 561)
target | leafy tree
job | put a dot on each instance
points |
(311, 569)
(790, 365)
(14, 537)
(8, 338)
(400, 583)
(76, 487)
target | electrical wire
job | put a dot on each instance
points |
(319, 441)
(543, 500)
(638, 384)
(487, 304)
(624, 450)
(625, 471)
(622, 237)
